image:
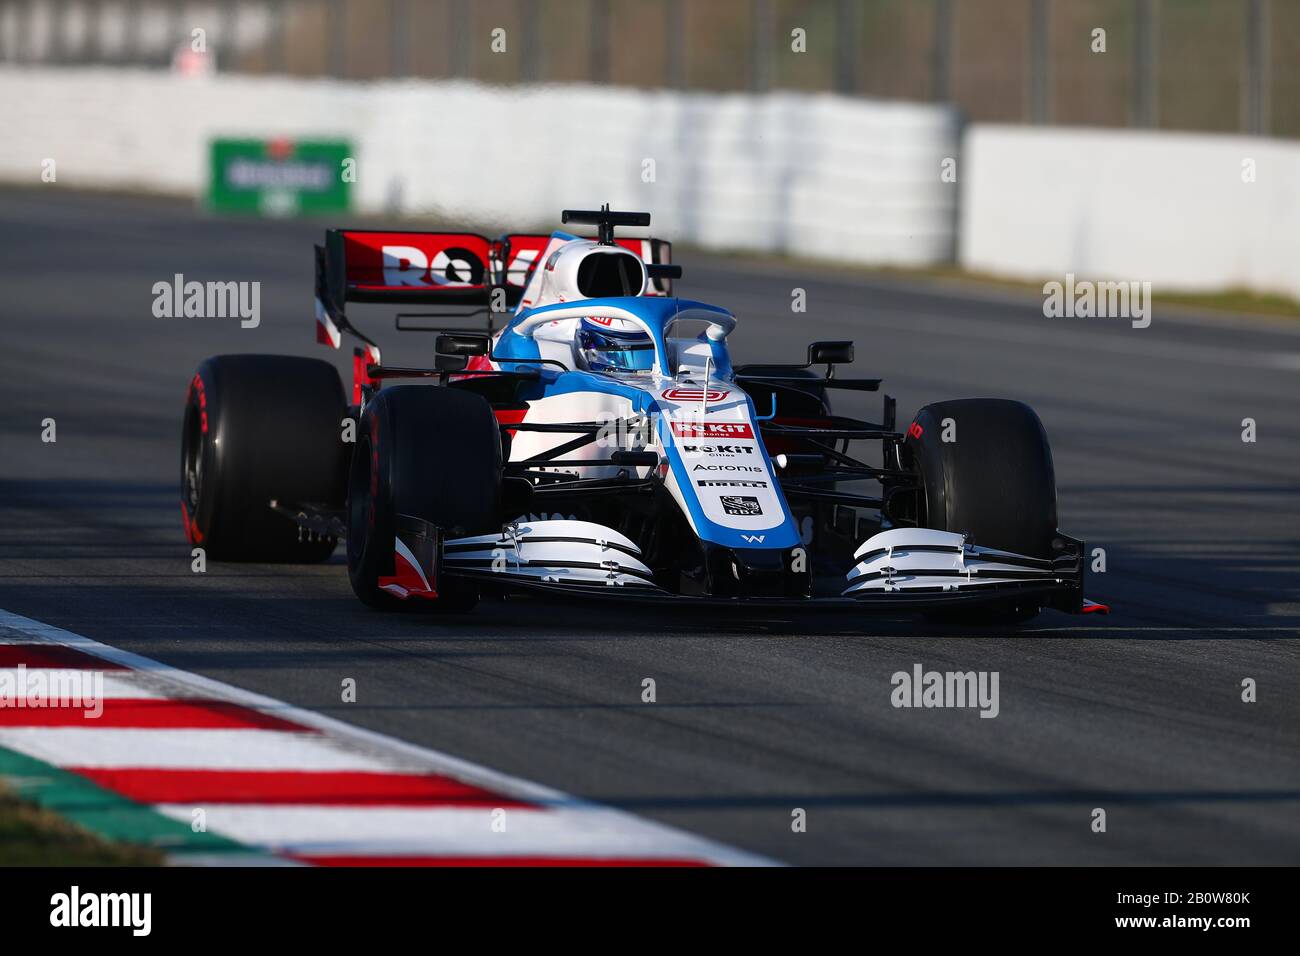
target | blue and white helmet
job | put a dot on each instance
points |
(614, 345)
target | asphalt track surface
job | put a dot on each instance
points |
(1140, 714)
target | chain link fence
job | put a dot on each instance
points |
(1209, 65)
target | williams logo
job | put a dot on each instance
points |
(741, 505)
(753, 538)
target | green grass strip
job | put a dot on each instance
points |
(103, 812)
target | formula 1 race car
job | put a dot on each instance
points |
(600, 442)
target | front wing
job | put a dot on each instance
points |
(899, 569)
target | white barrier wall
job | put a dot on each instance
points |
(816, 175)
(1168, 208)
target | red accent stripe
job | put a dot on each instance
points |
(360, 372)
(318, 788)
(408, 577)
(53, 655)
(492, 861)
(146, 713)
(791, 445)
(510, 416)
(192, 532)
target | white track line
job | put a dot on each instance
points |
(118, 685)
(440, 831)
(190, 749)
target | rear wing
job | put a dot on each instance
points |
(462, 271)
(438, 269)
(358, 265)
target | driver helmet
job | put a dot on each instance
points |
(614, 345)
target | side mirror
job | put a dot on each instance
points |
(461, 344)
(830, 353)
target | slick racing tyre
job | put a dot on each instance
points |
(260, 428)
(427, 452)
(993, 481)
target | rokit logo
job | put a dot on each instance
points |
(711, 429)
(729, 451)
(741, 505)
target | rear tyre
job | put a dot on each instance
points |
(260, 428)
(993, 481)
(431, 453)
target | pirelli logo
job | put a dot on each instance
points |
(713, 430)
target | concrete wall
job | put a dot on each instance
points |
(817, 175)
(1167, 208)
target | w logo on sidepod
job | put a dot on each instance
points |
(753, 538)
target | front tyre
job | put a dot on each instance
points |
(432, 453)
(986, 468)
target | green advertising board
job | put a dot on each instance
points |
(280, 177)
